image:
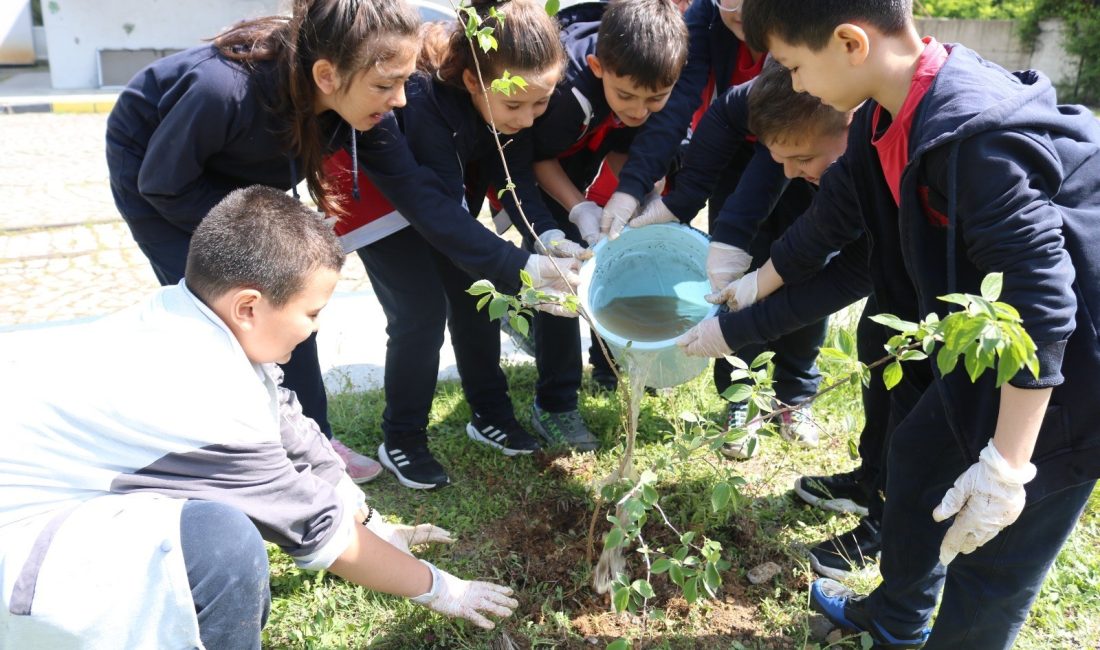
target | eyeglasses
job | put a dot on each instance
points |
(723, 5)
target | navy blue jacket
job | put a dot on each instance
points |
(446, 134)
(722, 130)
(1000, 179)
(712, 47)
(578, 104)
(194, 126)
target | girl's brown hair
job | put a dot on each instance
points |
(353, 34)
(527, 40)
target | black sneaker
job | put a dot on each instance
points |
(845, 609)
(838, 492)
(838, 557)
(413, 465)
(563, 428)
(509, 436)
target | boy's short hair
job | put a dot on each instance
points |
(259, 238)
(645, 40)
(798, 22)
(778, 114)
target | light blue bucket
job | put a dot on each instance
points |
(660, 260)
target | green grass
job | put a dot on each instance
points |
(524, 521)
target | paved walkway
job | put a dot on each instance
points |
(66, 256)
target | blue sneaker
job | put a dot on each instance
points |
(843, 607)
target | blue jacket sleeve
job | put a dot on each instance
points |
(431, 206)
(833, 221)
(723, 128)
(663, 132)
(1009, 224)
(843, 281)
(172, 178)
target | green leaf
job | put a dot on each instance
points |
(865, 641)
(1010, 364)
(480, 287)
(946, 360)
(643, 588)
(552, 7)
(737, 362)
(661, 565)
(712, 580)
(847, 343)
(762, 359)
(973, 363)
(687, 537)
(482, 300)
(649, 494)
(688, 416)
(853, 449)
(894, 323)
(525, 278)
(1005, 311)
(738, 392)
(520, 324)
(992, 285)
(720, 496)
(891, 374)
(956, 298)
(676, 574)
(691, 590)
(614, 538)
(486, 41)
(834, 354)
(621, 599)
(497, 307)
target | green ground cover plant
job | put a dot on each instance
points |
(524, 522)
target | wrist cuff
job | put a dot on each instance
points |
(1002, 470)
(433, 593)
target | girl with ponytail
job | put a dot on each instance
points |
(422, 284)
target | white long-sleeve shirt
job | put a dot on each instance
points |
(132, 415)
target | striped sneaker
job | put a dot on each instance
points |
(413, 465)
(508, 436)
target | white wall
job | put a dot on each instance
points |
(999, 41)
(75, 29)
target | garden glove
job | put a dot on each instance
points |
(986, 498)
(704, 340)
(653, 212)
(737, 294)
(546, 278)
(402, 537)
(617, 213)
(725, 263)
(466, 598)
(554, 243)
(586, 217)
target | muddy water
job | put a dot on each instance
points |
(650, 318)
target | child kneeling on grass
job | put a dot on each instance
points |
(137, 499)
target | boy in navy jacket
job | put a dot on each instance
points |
(955, 169)
(620, 68)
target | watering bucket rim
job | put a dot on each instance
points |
(589, 267)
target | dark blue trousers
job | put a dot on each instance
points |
(796, 376)
(987, 593)
(302, 374)
(870, 339)
(421, 292)
(227, 569)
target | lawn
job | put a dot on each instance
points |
(524, 522)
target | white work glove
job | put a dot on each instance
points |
(546, 278)
(466, 598)
(653, 212)
(402, 537)
(704, 340)
(555, 243)
(987, 497)
(725, 263)
(586, 217)
(737, 294)
(617, 213)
